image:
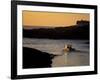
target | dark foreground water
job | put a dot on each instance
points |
(51, 46)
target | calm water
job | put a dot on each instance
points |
(55, 47)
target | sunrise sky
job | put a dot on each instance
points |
(51, 19)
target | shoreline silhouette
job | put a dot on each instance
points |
(78, 31)
(33, 58)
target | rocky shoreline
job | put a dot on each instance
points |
(33, 58)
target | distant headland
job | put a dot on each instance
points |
(78, 31)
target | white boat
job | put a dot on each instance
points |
(68, 48)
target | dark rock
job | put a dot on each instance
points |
(33, 58)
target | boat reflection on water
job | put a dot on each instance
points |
(70, 56)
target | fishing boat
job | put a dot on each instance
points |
(68, 48)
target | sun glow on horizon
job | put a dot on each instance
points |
(52, 19)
